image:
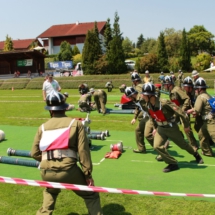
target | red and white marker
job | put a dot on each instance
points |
(95, 189)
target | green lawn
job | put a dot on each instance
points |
(22, 111)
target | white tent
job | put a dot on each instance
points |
(210, 69)
(39, 48)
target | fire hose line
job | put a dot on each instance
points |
(37, 183)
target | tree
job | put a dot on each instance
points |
(185, 58)
(107, 34)
(127, 46)
(115, 54)
(92, 51)
(162, 53)
(140, 41)
(148, 62)
(202, 61)
(76, 59)
(8, 44)
(75, 50)
(149, 46)
(172, 41)
(65, 51)
(200, 40)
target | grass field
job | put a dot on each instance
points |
(22, 111)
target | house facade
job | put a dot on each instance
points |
(74, 34)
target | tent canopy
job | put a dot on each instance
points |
(210, 69)
(38, 48)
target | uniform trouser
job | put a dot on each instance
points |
(142, 131)
(85, 106)
(100, 103)
(191, 138)
(206, 133)
(109, 89)
(148, 132)
(162, 135)
(72, 176)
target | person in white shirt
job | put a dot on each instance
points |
(50, 85)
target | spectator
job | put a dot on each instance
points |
(147, 78)
(50, 85)
(29, 74)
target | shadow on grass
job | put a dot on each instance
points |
(171, 152)
(110, 209)
(191, 165)
(114, 209)
(96, 147)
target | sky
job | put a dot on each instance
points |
(26, 19)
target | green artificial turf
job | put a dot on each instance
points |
(22, 111)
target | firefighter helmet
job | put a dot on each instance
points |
(188, 82)
(200, 83)
(129, 91)
(168, 80)
(135, 77)
(148, 89)
(56, 101)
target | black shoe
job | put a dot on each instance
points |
(171, 167)
(198, 158)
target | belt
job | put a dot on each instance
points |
(165, 124)
(162, 123)
(58, 154)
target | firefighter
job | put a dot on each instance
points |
(204, 106)
(163, 114)
(58, 145)
(181, 99)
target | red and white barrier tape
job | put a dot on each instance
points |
(95, 189)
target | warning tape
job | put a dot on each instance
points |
(95, 189)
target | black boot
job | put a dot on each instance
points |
(198, 158)
(171, 167)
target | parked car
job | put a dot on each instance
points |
(130, 64)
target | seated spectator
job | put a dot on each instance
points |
(29, 74)
(18, 73)
(15, 74)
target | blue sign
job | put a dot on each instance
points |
(60, 65)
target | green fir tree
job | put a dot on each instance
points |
(140, 41)
(115, 54)
(162, 53)
(92, 51)
(185, 56)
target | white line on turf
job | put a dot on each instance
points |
(96, 164)
(113, 140)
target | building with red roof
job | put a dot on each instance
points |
(24, 44)
(74, 34)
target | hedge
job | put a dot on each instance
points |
(96, 81)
